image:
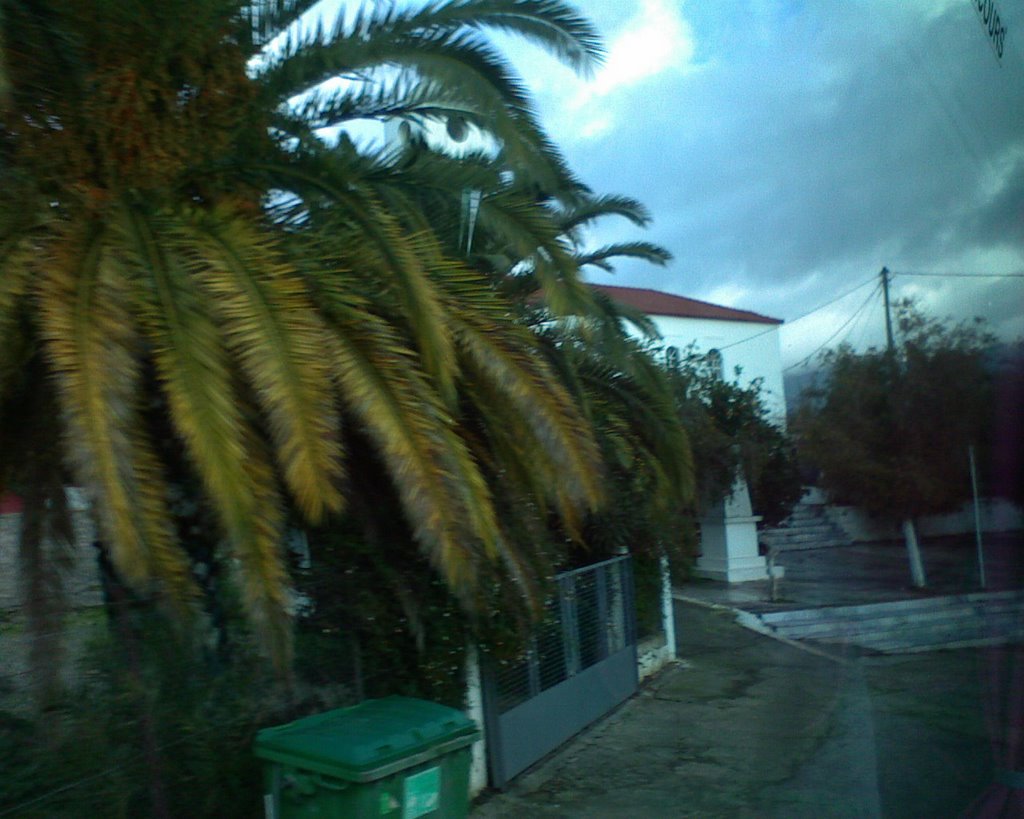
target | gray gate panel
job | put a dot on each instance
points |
(538, 726)
(580, 663)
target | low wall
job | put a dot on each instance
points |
(997, 515)
(81, 581)
(652, 655)
(657, 651)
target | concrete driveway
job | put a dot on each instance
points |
(747, 726)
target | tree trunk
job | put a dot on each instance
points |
(914, 554)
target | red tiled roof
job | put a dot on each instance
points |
(657, 303)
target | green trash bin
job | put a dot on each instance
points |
(393, 757)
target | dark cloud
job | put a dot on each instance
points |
(1000, 219)
(807, 144)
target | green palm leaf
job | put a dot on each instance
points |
(590, 208)
(197, 376)
(443, 496)
(272, 329)
(387, 255)
(645, 251)
(552, 25)
(93, 350)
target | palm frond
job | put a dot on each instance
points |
(268, 18)
(15, 279)
(272, 329)
(92, 349)
(611, 315)
(443, 495)
(196, 374)
(405, 97)
(645, 251)
(552, 25)
(387, 254)
(591, 208)
(378, 35)
(530, 235)
(255, 531)
(459, 61)
(529, 386)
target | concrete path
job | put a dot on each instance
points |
(747, 726)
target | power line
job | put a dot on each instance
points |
(791, 322)
(748, 338)
(843, 326)
(961, 275)
(859, 329)
(842, 295)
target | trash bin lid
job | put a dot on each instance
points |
(370, 740)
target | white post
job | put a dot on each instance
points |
(668, 619)
(475, 711)
(914, 554)
(977, 517)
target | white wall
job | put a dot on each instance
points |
(753, 347)
(81, 580)
(997, 515)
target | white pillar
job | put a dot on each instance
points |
(668, 619)
(728, 540)
(475, 711)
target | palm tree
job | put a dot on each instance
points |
(177, 240)
(605, 353)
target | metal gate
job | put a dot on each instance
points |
(580, 664)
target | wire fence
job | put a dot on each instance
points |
(588, 619)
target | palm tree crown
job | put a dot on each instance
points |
(176, 241)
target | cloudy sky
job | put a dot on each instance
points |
(789, 150)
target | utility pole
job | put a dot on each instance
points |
(909, 526)
(888, 318)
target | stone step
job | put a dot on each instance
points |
(869, 610)
(797, 535)
(960, 639)
(798, 547)
(896, 623)
(807, 527)
(808, 523)
(905, 625)
(1005, 628)
(807, 514)
(817, 526)
(817, 542)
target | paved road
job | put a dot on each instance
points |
(746, 726)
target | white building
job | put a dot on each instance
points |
(742, 339)
(739, 339)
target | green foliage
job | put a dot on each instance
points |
(148, 720)
(732, 434)
(383, 614)
(891, 433)
(647, 588)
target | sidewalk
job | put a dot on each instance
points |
(747, 726)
